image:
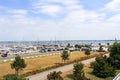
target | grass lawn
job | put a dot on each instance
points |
(37, 63)
(68, 75)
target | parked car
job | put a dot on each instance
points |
(4, 55)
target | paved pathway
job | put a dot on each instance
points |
(42, 75)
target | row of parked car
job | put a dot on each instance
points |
(50, 49)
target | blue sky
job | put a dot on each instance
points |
(64, 19)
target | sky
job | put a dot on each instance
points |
(31, 20)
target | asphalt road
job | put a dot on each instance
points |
(25, 55)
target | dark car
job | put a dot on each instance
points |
(4, 55)
(42, 50)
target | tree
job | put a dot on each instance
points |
(79, 47)
(18, 64)
(79, 72)
(102, 69)
(108, 44)
(115, 49)
(87, 46)
(78, 68)
(65, 55)
(68, 45)
(87, 52)
(76, 45)
(54, 75)
(99, 44)
(101, 49)
(114, 58)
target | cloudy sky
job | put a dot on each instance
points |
(61, 19)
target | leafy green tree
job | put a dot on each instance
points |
(114, 58)
(79, 47)
(115, 62)
(108, 44)
(101, 68)
(101, 48)
(87, 51)
(54, 75)
(18, 64)
(115, 49)
(65, 55)
(87, 46)
(76, 45)
(68, 45)
(79, 72)
(78, 68)
(99, 44)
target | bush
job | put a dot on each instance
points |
(54, 76)
(115, 62)
(102, 69)
(114, 59)
(87, 51)
(79, 72)
(14, 77)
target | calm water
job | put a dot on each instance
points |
(63, 42)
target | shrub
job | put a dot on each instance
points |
(87, 51)
(79, 72)
(54, 75)
(114, 59)
(102, 69)
(14, 77)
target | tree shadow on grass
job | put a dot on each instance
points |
(59, 64)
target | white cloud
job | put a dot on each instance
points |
(55, 7)
(68, 2)
(83, 16)
(114, 19)
(50, 9)
(114, 5)
(19, 16)
(18, 11)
